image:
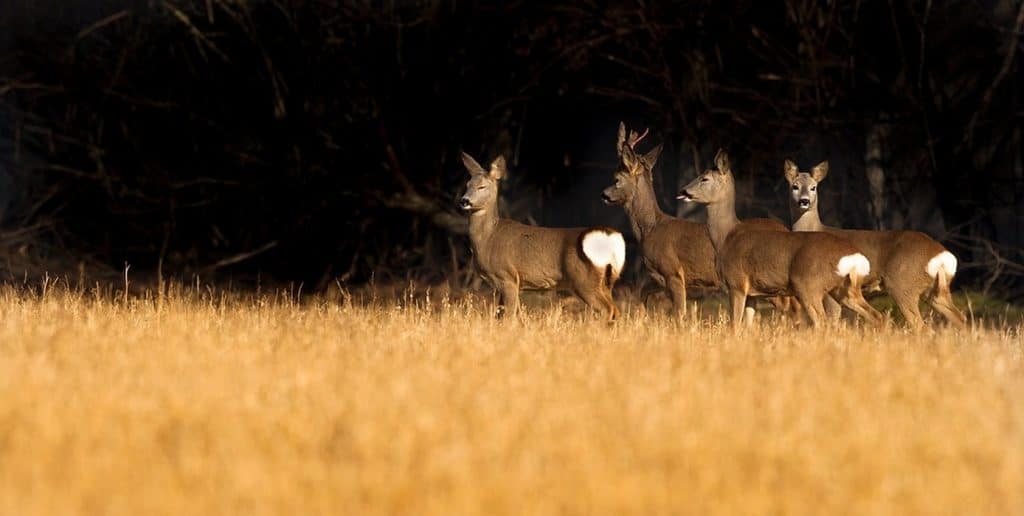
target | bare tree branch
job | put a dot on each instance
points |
(986, 98)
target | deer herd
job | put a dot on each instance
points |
(809, 268)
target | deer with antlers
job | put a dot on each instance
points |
(677, 253)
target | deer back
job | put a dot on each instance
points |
(769, 260)
(537, 257)
(902, 254)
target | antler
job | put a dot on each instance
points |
(635, 138)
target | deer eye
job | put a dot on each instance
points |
(705, 179)
(813, 188)
(796, 188)
(480, 187)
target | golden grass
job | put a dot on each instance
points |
(218, 404)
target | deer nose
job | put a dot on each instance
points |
(606, 198)
(464, 203)
(805, 202)
(684, 196)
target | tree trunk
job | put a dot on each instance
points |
(875, 172)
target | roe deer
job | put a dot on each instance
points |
(677, 253)
(906, 264)
(513, 256)
(753, 261)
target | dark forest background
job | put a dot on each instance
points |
(317, 141)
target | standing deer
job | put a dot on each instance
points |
(906, 264)
(677, 253)
(513, 256)
(753, 261)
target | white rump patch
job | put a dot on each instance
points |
(604, 248)
(853, 263)
(943, 261)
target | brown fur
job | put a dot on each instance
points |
(754, 261)
(898, 258)
(514, 256)
(677, 253)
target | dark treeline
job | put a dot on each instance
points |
(314, 141)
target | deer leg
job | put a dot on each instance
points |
(784, 305)
(509, 290)
(676, 284)
(568, 301)
(833, 309)
(907, 301)
(942, 301)
(796, 310)
(812, 306)
(609, 301)
(852, 298)
(595, 299)
(606, 303)
(648, 292)
(789, 307)
(739, 304)
(749, 311)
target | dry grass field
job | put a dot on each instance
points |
(207, 403)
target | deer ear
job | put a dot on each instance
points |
(622, 138)
(819, 171)
(498, 169)
(791, 171)
(651, 158)
(471, 165)
(722, 162)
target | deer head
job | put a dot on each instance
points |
(482, 187)
(803, 186)
(713, 185)
(632, 167)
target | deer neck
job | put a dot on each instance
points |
(808, 220)
(722, 220)
(481, 225)
(643, 210)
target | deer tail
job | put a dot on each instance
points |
(854, 267)
(605, 249)
(942, 268)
